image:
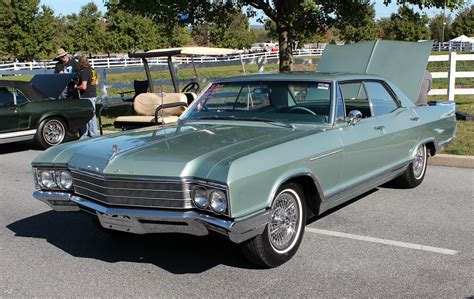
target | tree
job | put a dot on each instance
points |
(27, 31)
(87, 29)
(440, 27)
(364, 28)
(406, 25)
(234, 33)
(127, 32)
(464, 23)
(290, 17)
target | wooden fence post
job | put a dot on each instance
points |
(452, 76)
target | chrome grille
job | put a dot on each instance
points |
(137, 192)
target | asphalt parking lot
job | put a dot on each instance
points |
(397, 243)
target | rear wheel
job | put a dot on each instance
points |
(283, 234)
(51, 131)
(415, 172)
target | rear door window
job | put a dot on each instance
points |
(382, 101)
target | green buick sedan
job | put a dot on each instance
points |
(38, 110)
(254, 157)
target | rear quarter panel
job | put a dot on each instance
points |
(438, 123)
(76, 112)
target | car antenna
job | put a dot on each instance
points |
(162, 95)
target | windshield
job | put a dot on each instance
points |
(274, 101)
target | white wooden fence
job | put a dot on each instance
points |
(256, 58)
(452, 74)
(130, 62)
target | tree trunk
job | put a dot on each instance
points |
(285, 10)
(286, 57)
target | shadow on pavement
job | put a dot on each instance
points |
(78, 235)
(337, 208)
(16, 147)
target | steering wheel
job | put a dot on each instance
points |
(302, 109)
(191, 87)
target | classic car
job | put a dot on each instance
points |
(40, 110)
(254, 157)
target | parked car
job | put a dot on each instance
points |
(253, 158)
(40, 110)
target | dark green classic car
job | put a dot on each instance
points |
(254, 157)
(37, 110)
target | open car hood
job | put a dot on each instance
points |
(403, 63)
(51, 85)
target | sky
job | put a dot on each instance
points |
(73, 6)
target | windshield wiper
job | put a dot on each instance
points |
(252, 118)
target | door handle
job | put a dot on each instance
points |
(416, 118)
(381, 128)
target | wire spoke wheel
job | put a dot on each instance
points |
(285, 216)
(419, 162)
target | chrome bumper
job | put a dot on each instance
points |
(146, 221)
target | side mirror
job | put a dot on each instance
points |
(354, 117)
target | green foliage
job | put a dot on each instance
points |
(464, 23)
(87, 29)
(405, 25)
(440, 27)
(127, 32)
(234, 34)
(27, 31)
(363, 28)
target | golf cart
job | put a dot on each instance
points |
(151, 107)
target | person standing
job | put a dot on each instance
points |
(88, 81)
(425, 89)
(65, 64)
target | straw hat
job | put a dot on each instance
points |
(61, 52)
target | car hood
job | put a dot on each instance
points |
(188, 150)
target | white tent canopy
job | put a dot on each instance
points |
(463, 39)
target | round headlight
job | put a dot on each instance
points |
(200, 198)
(47, 179)
(218, 202)
(65, 180)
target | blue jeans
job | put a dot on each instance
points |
(91, 129)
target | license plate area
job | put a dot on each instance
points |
(120, 222)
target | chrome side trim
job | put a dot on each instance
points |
(17, 136)
(372, 179)
(144, 221)
(326, 154)
(444, 143)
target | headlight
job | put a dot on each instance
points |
(47, 179)
(53, 179)
(200, 198)
(65, 180)
(218, 201)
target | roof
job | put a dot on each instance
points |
(462, 39)
(185, 51)
(403, 63)
(26, 88)
(298, 76)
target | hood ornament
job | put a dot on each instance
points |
(115, 150)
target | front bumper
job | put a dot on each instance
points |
(146, 221)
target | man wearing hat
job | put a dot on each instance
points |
(65, 64)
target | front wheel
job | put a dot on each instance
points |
(415, 172)
(283, 234)
(51, 131)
